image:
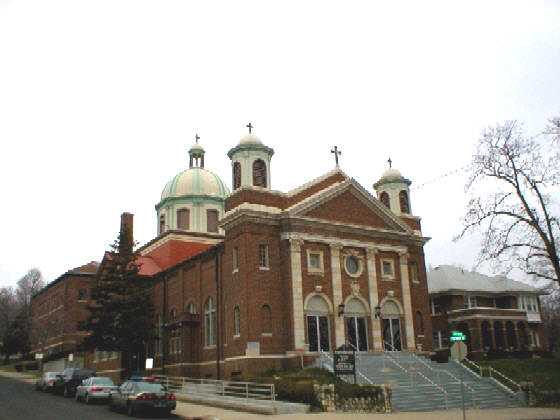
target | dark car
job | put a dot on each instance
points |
(47, 381)
(137, 396)
(69, 380)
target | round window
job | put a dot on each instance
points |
(352, 265)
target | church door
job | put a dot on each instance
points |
(392, 334)
(357, 332)
(318, 333)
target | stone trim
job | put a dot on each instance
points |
(297, 293)
(407, 301)
(332, 240)
(337, 292)
(373, 296)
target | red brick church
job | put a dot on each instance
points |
(256, 278)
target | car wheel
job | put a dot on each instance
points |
(167, 413)
(130, 410)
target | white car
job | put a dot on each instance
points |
(95, 388)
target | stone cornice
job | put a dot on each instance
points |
(335, 241)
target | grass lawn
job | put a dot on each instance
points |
(545, 373)
(11, 367)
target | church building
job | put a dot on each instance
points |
(254, 278)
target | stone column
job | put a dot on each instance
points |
(373, 298)
(518, 342)
(407, 302)
(337, 293)
(297, 294)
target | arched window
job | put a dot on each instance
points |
(236, 175)
(419, 323)
(403, 200)
(259, 173)
(161, 224)
(384, 197)
(266, 319)
(317, 316)
(210, 324)
(236, 321)
(191, 309)
(183, 219)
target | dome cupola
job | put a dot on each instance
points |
(393, 190)
(250, 162)
(193, 200)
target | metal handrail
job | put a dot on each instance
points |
(511, 381)
(450, 374)
(247, 390)
(473, 364)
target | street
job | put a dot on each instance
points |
(19, 400)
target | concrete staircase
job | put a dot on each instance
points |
(420, 384)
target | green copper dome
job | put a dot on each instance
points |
(195, 181)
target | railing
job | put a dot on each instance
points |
(499, 376)
(420, 374)
(456, 380)
(472, 366)
(215, 387)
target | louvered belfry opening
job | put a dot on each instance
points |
(236, 175)
(385, 199)
(259, 173)
(403, 198)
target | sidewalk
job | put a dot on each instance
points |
(196, 411)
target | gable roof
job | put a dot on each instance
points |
(447, 278)
(335, 190)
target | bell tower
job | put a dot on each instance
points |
(250, 162)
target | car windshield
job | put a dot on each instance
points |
(149, 387)
(102, 381)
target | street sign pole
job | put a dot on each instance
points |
(462, 394)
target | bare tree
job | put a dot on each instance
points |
(550, 312)
(28, 285)
(511, 180)
(8, 308)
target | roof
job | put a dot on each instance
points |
(448, 278)
(87, 270)
(195, 182)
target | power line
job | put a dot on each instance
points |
(441, 177)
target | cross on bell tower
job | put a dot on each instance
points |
(390, 162)
(250, 126)
(337, 153)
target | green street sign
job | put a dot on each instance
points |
(458, 338)
(457, 334)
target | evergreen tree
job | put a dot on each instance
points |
(122, 317)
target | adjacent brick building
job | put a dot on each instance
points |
(496, 314)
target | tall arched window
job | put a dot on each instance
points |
(161, 224)
(236, 175)
(236, 321)
(403, 200)
(212, 220)
(259, 173)
(183, 219)
(266, 319)
(384, 197)
(210, 324)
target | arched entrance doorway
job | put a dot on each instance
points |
(356, 325)
(317, 317)
(391, 316)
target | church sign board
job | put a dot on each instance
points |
(344, 361)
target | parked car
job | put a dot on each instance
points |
(95, 388)
(69, 380)
(46, 382)
(136, 396)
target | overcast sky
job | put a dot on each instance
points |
(100, 102)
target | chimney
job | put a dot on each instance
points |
(126, 240)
